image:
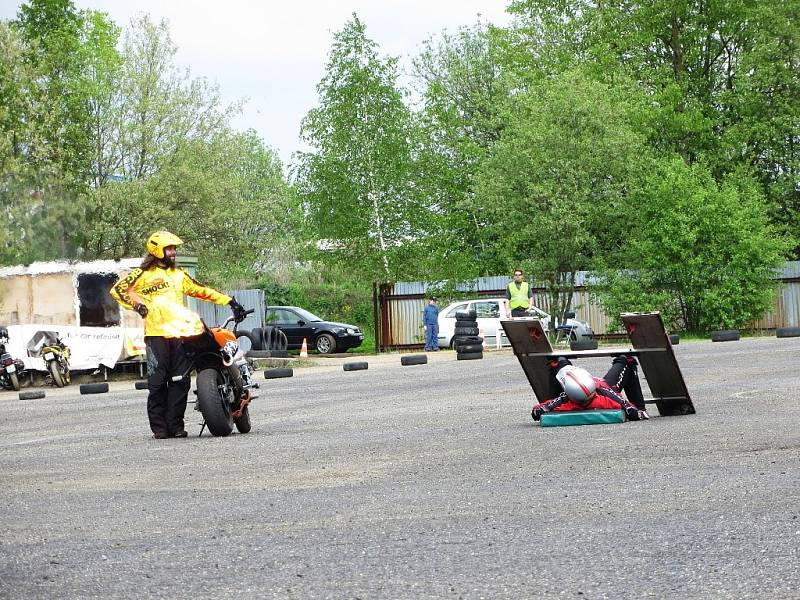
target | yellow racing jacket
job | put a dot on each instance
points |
(162, 292)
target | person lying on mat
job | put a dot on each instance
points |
(574, 388)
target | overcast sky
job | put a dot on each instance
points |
(274, 53)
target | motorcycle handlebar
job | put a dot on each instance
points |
(232, 318)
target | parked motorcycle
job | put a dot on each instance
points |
(224, 379)
(56, 357)
(10, 368)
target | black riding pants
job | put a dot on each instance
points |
(624, 375)
(166, 403)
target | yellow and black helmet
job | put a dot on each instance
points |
(160, 240)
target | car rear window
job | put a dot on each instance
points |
(452, 311)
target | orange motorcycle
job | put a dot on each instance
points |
(224, 379)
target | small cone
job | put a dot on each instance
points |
(304, 349)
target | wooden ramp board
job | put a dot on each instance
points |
(649, 342)
(654, 350)
(581, 417)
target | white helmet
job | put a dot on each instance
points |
(577, 383)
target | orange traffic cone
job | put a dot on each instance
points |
(304, 349)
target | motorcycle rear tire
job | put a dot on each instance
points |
(12, 377)
(213, 407)
(243, 422)
(52, 366)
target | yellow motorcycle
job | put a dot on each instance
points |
(56, 357)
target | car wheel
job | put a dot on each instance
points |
(325, 343)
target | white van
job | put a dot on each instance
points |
(490, 311)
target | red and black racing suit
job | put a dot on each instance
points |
(622, 376)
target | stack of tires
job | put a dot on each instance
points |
(466, 341)
(266, 342)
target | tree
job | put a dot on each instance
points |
(161, 105)
(702, 253)
(722, 77)
(226, 197)
(556, 188)
(358, 183)
(463, 94)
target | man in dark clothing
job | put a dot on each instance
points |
(430, 321)
(574, 388)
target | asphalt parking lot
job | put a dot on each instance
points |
(427, 481)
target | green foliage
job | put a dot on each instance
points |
(459, 77)
(702, 253)
(155, 148)
(357, 186)
(556, 186)
(233, 188)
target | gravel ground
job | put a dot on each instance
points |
(426, 481)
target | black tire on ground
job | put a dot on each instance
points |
(469, 355)
(784, 332)
(52, 366)
(725, 335)
(414, 359)
(583, 345)
(674, 339)
(140, 385)
(468, 348)
(458, 331)
(31, 395)
(213, 406)
(466, 314)
(466, 323)
(278, 373)
(243, 422)
(12, 377)
(94, 388)
(325, 343)
(356, 366)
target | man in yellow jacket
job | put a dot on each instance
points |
(520, 295)
(156, 291)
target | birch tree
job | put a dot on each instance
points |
(358, 183)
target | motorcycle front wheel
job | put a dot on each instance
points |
(55, 373)
(214, 406)
(12, 377)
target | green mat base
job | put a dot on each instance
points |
(581, 417)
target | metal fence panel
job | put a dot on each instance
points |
(214, 314)
(401, 305)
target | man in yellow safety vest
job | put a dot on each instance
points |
(520, 295)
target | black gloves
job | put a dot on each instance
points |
(239, 313)
(141, 309)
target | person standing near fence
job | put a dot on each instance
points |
(430, 321)
(520, 295)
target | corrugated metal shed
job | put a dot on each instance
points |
(214, 314)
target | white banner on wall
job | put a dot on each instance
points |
(90, 347)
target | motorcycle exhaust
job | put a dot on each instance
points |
(227, 359)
